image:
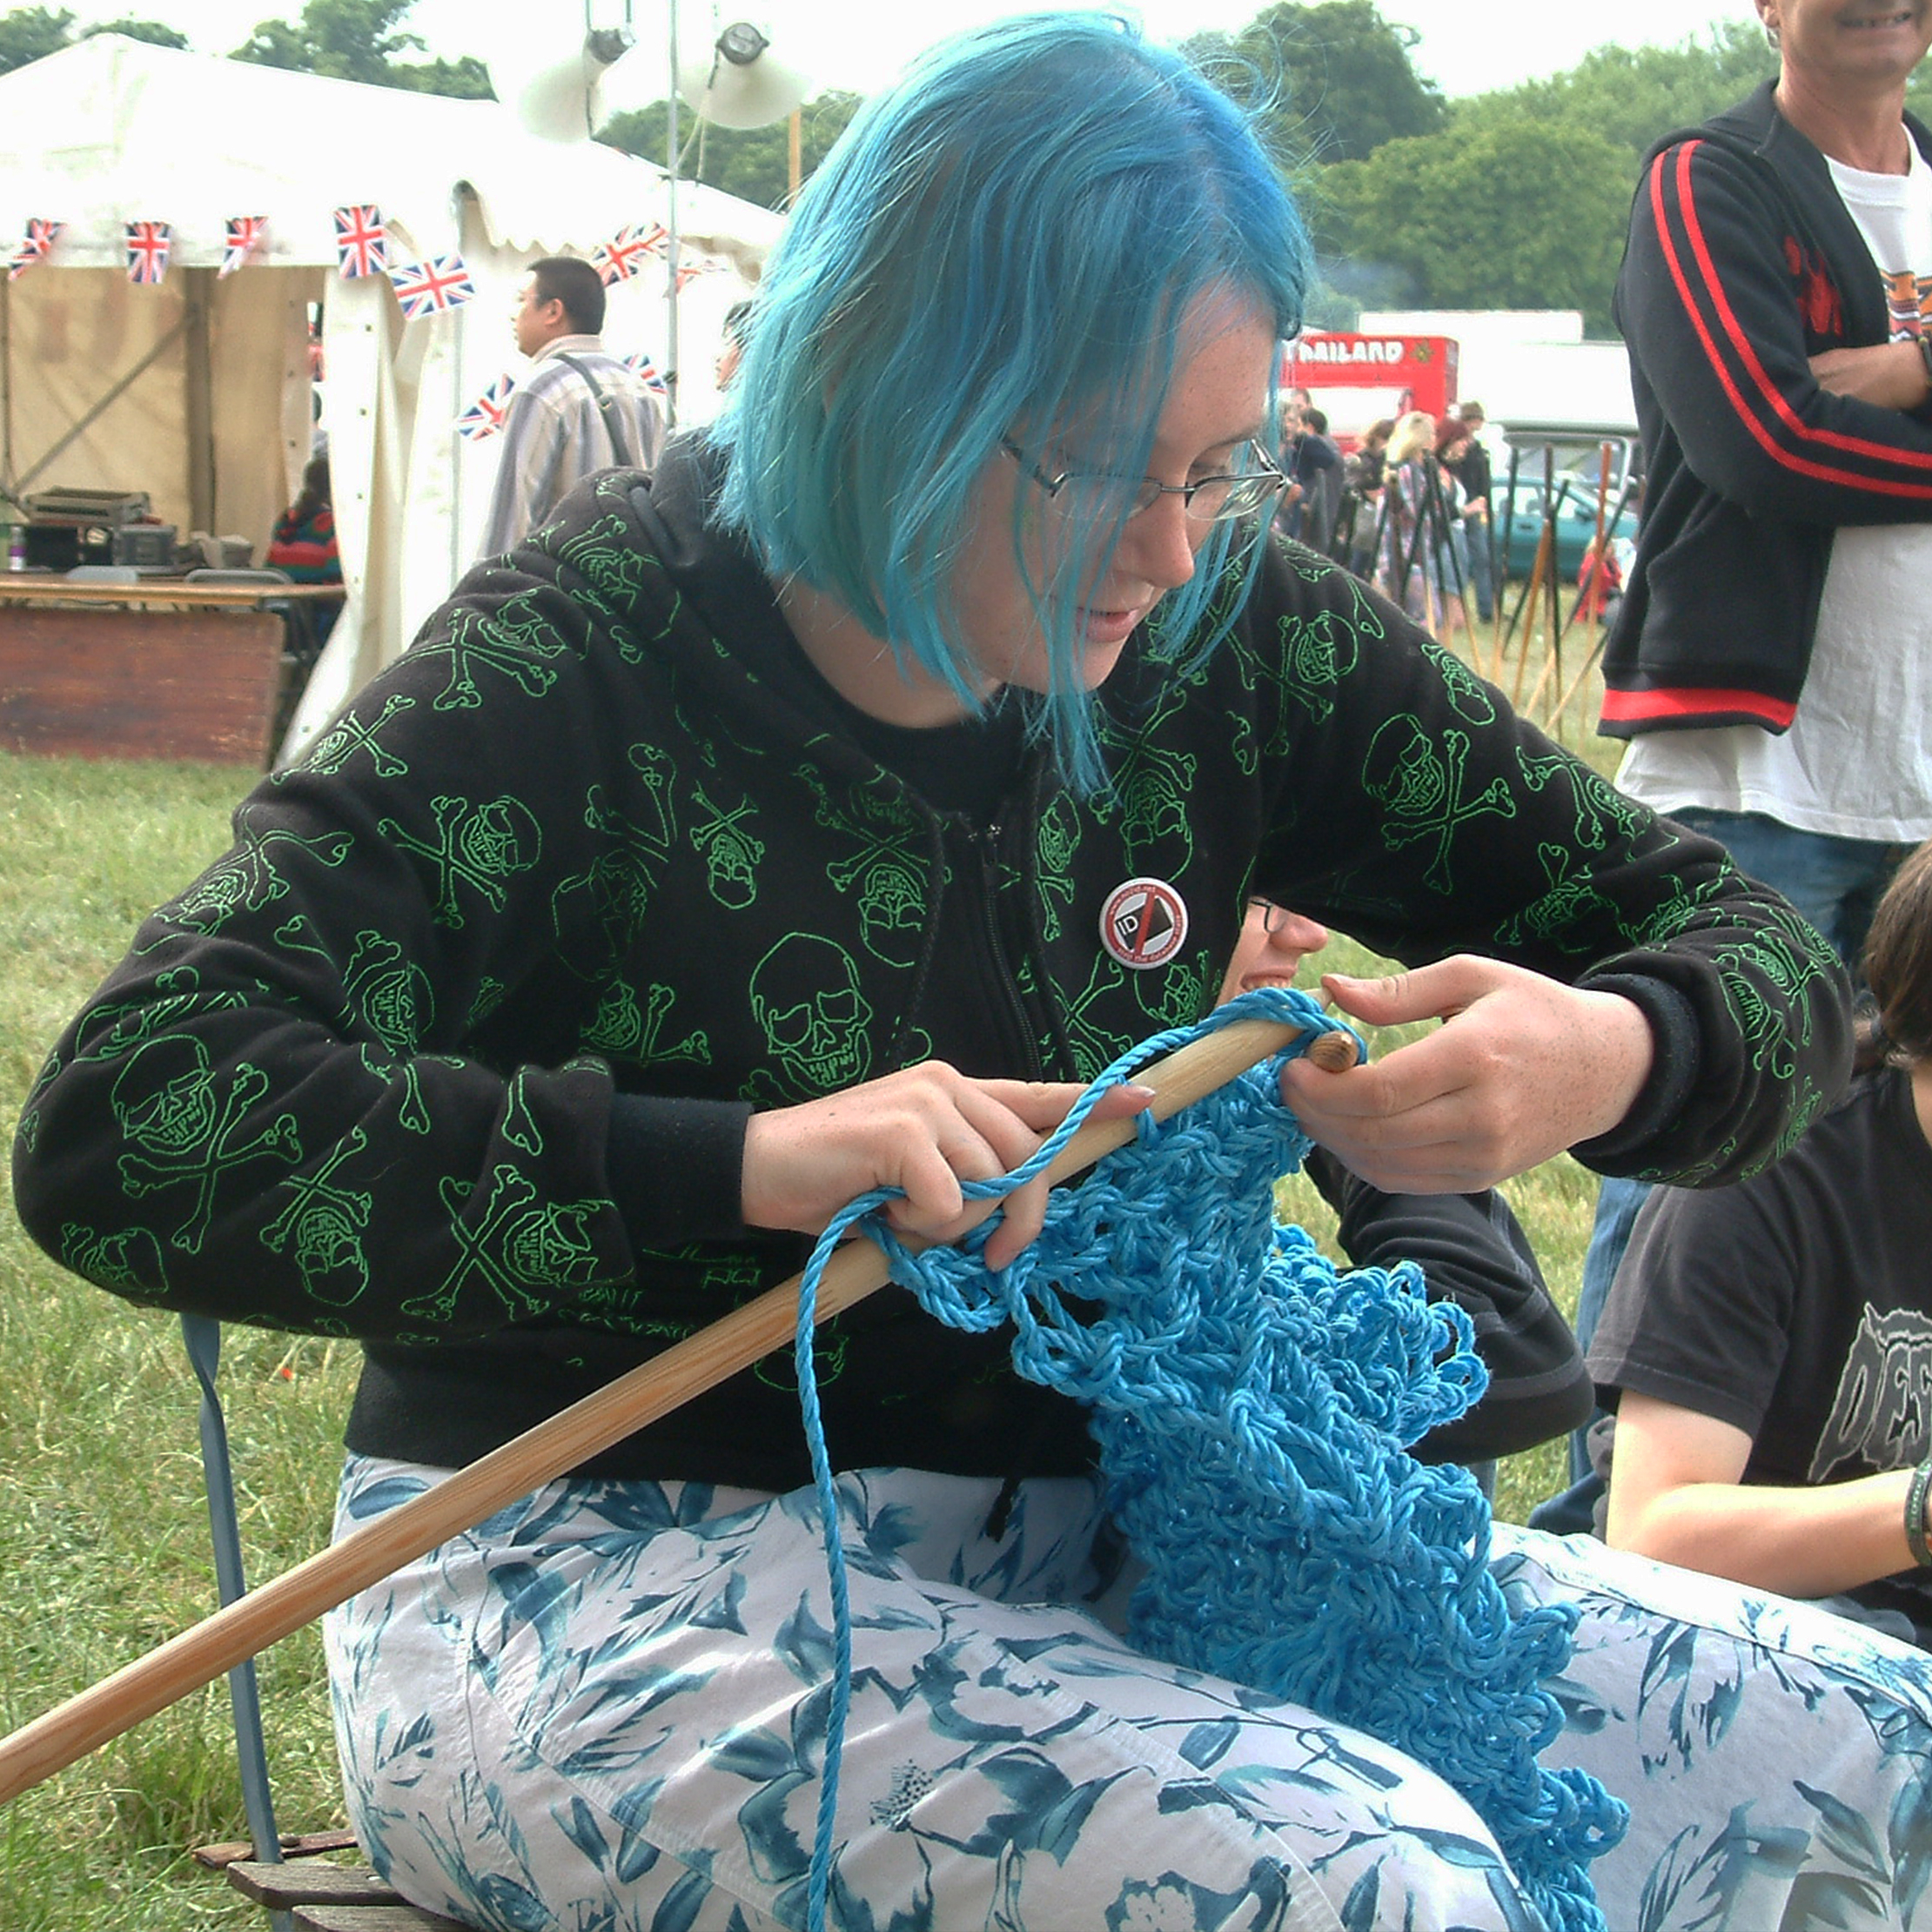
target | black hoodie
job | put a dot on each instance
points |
(452, 1052)
(1743, 263)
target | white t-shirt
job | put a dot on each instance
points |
(1857, 760)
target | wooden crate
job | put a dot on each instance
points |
(140, 682)
(321, 1896)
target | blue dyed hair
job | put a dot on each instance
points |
(1004, 244)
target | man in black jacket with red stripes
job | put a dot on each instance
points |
(1775, 296)
(1772, 663)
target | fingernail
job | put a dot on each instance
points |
(1146, 1095)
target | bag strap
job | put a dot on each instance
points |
(613, 417)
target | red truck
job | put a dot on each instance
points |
(1357, 379)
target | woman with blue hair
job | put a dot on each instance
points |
(814, 814)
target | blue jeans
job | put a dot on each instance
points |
(1482, 581)
(1572, 1512)
(1836, 884)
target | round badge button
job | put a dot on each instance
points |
(1143, 923)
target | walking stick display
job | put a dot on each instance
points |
(1603, 498)
(1588, 591)
(1407, 555)
(1552, 659)
(198, 1655)
(1602, 637)
(1530, 604)
(1542, 574)
(1501, 558)
(1381, 536)
(1443, 548)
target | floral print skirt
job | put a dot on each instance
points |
(605, 1710)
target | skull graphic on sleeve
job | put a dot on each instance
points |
(184, 1130)
(1422, 786)
(808, 1002)
(1320, 653)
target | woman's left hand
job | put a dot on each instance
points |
(1523, 1067)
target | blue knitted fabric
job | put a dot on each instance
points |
(1252, 1409)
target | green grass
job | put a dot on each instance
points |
(100, 1467)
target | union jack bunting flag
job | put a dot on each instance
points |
(485, 416)
(625, 254)
(429, 288)
(246, 234)
(148, 245)
(40, 238)
(361, 247)
(690, 272)
(646, 371)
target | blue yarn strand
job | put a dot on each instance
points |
(839, 1703)
(1282, 1427)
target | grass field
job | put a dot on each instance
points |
(99, 1465)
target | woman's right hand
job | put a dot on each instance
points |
(924, 1130)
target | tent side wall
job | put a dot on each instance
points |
(196, 391)
(411, 495)
(216, 428)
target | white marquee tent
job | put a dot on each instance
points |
(198, 391)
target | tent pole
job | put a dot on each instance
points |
(671, 252)
(8, 486)
(199, 376)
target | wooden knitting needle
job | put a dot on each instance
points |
(201, 1653)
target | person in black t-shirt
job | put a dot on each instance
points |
(1460, 453)
(1768, 1347)
(1314, 466)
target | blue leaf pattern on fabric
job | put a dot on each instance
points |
(679, 1912)
(1208, 1744)
(806, 1645)
(669, 1692)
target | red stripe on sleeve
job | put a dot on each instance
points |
(1682, 702)
(1746, 355)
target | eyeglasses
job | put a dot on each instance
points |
(1273, 917)
(1213, 499)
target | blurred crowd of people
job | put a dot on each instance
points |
(1408, 508)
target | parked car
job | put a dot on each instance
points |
(1574, 487)
(1517, 536)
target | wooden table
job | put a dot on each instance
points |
(162, 669)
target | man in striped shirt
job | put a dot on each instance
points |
(578, 410)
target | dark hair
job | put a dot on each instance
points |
(577, 286)
(1316, 421)
(736, 318)
(315, 490)
(1898, 968)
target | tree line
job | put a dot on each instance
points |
(1517, 197)
(1512, 198)
(354, 40)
